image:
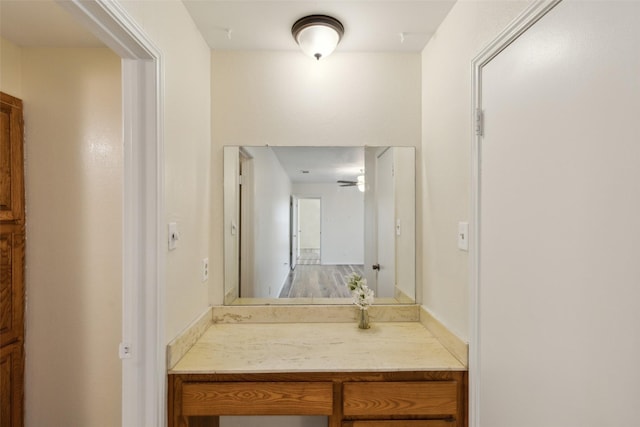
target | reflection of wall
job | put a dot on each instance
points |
(309, 223)
(342, 221)
(271, 197)
(405, 185)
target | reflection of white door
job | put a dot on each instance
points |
(385, 207)
(558, 222)
(244, 229)
(293, 232)
(309, 229)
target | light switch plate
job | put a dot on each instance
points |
(463, 236)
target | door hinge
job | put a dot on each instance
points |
(240, 180)
(479, 122)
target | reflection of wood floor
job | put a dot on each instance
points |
(319, 281)
(309, 256)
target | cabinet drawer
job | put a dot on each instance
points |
(257, 398)
(401, 423)
(400, 398)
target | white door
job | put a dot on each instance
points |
(559, 260)
(385, 206)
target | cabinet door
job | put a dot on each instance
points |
(11, 283)
(11, 160)
(11, 373)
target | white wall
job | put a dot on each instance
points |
(285, 98)
(74, 164)
(186, 78)
(271, 197)
(10, 68)
(342, 221)
(446, 148)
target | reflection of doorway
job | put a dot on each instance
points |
(309, 231)
(385, 208)
(245, 228)
(293, 232)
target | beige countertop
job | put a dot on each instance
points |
(316, 347)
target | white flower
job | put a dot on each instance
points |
(362, 295)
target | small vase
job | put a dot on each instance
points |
(363, 319)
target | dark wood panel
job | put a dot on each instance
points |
(204, 422)
(400, 398)
(257, 398)
(11, 388)
(11, 159)
(11, 283)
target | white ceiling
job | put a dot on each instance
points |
(323, 164)
(370, 25)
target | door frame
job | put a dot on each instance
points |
(143, 281)
(532, 14)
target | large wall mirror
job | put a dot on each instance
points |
(299, 219)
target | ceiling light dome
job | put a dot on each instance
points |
(317, 35)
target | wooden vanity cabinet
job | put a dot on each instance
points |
(349, 399)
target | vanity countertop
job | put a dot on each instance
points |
(316, 347)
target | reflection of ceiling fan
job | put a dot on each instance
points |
(359, 183)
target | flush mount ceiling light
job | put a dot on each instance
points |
(317, 35)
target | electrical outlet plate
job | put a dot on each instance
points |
(205, 269)
(124, 350)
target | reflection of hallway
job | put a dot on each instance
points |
(319, 281)
(309, 257)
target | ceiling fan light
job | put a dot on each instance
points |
(317, 35)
